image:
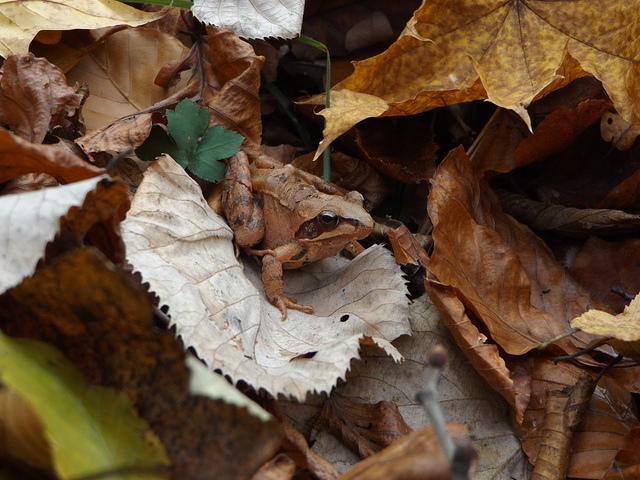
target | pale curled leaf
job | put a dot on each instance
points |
(625, 326)
(255, 19)
(185, 252)
(31, 220)
(21, 21)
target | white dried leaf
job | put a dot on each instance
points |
(217, 304)
(252, 18)
(30, 220)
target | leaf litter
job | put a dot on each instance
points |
(122, 302)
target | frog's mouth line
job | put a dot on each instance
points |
(310, 231)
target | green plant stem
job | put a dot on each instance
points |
(326, 155)
(174, 3)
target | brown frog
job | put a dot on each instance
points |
(293, 216)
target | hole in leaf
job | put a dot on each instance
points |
(344, 318)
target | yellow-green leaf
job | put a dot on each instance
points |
(90, 429)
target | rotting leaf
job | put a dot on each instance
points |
(605, 423)
(507, 52)
(563, 413)
(416, 456)
(90, 429)
(574, 222)
(102, 322)
(185, 251)
(34, 96)
(17, 157)
(479, 249)
(365, 428)
(20, 22)
(602, 265)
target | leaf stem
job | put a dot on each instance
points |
(326, 155)
(172, 3)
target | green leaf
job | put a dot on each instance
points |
(90, 429)
(159, 142)
(190, 143)
(187, 123)
(217, 143)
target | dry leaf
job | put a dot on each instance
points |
(464, 396)
(280, 467)
(118, 92)
(624, 328)
(18, 157)
(574, 222)
(479, 250)
(484, 356)
(363, 427)
(601, 265)
(21, 434)
(255, 19)
(28, 183)
(605, 424)
(102, 322)
(416, 456)
(618, 131)
(32, 220)
(34, 95)
(563, 413)
(185, 251)
(518, 50)
(21, 21)
(296, 446)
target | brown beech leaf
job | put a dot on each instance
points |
(505, 274)
(296, 446)
(605, 423)
(28, 183)
(625, 195)
(89, 320)
(117, 92)
(365, 428)
(575, 222)
(416, 456)
(34, 95)
(627, 462)
(507, 52)
(505, 143)
(464, 396)
(225, 75)
(563, 412)
(602, 265)
(17, 157)
(483, 355)
(618, 131)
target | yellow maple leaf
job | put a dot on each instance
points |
(20, 21)
(507, 51)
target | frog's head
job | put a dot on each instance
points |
(334, 218)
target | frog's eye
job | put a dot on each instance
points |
(328, 219)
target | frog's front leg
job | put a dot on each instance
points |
(273, 281)
(241, 207)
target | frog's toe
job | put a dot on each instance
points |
(283, 303)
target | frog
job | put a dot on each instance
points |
(289, 218)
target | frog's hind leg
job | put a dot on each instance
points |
(241, 207)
